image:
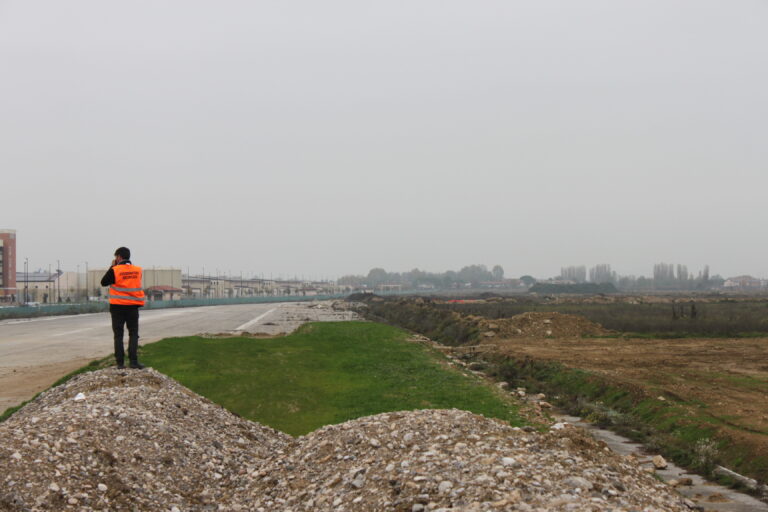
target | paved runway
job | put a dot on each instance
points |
(34, 353)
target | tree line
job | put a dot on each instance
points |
(666, 276)
(472, 275)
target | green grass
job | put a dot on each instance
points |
(324, 373)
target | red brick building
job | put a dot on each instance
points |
(7, 264)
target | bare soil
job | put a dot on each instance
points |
(726, 379)
(22, 383)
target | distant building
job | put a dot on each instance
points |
(8, 289)
(744, 283)
(504, 283)
(163, 292)
(36, 286)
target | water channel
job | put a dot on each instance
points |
(709, 495)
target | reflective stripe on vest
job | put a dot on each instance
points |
(127, 290)
(123, 297)
(113, 287)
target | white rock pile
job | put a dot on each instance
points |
(124, 440)
(137, 440)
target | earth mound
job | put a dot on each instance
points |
(137, 440)
(545, 325)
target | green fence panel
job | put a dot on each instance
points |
(98, 307)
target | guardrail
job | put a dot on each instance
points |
(98, 307)
(186, 303)
(52, 310)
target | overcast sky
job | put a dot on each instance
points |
(325, 138)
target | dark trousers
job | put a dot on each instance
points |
(125, 316)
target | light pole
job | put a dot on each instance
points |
(58, 279)
(87, 298)
(26, 280)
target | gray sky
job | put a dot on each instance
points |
(324, 138)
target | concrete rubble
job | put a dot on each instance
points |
(137, 440)
(287, 317)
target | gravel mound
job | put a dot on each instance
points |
(543, 325)
(453, 460)
(123, 440)
(137, 440)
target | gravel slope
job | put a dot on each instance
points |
(137, 440)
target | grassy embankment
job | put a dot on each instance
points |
(324, 373)
(684, 431)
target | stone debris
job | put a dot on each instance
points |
(454, 460)
(141, 441)
(542, 325)
(288, 317)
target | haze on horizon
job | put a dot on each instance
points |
(328, 138)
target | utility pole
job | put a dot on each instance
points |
(26, 280)
(87, 298)
(58, 279)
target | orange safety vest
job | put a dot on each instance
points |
(127, 290)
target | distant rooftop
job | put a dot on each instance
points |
(34, 277)
(163, 288)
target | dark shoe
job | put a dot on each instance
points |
(121, 367)
(137, 366)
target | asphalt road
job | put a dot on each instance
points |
(34, 353)
(60, 338)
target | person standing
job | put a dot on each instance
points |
(126, 296)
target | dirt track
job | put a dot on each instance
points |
(19, 384)
(727, 378)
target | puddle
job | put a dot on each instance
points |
(708, 495)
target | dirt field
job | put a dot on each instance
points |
(725, 379)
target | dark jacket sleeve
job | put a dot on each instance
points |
(109, 278)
